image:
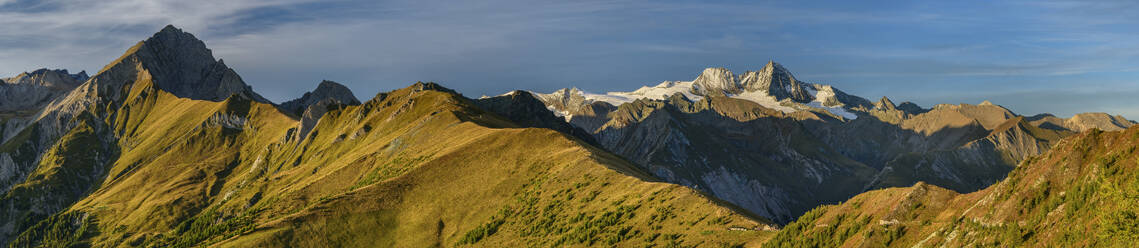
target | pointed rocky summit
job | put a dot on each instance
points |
(182, 65)
(885, 104)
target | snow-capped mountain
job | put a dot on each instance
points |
(772, 87)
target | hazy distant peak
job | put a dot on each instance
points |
(58, 78)
(30, 91)
(327, 92)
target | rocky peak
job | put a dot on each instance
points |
(182, 65)
(885, 104)
(327, 92)
(777, 82)
(569, 100)
(715, 81)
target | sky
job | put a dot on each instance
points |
(1055, 56)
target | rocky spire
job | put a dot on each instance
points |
(182, 65)
(777, 82)
(885, 104)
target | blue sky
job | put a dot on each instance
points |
(1056, 56)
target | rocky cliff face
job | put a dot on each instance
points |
(24, 95)
(716, 81)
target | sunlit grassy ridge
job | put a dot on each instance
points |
(1083, 192)
(415, 167)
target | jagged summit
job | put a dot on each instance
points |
(885, 103)
(182, 65)
(778, 82)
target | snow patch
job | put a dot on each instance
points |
(763, 99)
(822, 93)
(559, 113)
(840, 111)
(659, 92)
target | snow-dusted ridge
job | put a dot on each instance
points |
(771, 87)
(659, 92)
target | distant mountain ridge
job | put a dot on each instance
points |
(31, 90)
(1077, 194)
(772, 87)
(729, 134)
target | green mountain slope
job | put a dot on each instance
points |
(121, 161)
(1080, 193)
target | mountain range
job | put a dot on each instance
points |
(778, 146)
(166, 146)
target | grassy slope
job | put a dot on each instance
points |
(415, 167)
(1083, 192)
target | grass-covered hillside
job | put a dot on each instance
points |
(415, 167)
(132, 158)
(1083, 192)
